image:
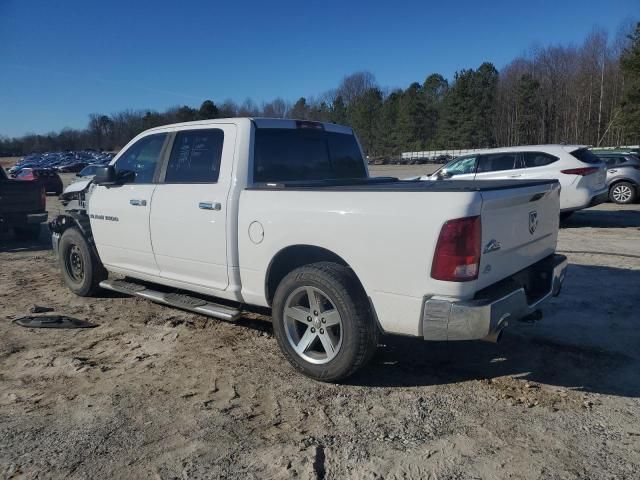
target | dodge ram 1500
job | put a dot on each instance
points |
(221, 216)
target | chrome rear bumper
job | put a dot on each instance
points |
(485, 318)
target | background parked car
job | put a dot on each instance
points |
(623, 175)
(62, 161)
(49, 179)
(581, 174)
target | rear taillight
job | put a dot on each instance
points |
(457, 255)
(43, 198)
(581, 171)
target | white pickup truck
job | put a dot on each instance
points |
(283, 214)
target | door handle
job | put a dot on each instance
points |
(209, 206)
(613, 171)
(515, 176)
(138, 203)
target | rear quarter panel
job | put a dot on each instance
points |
(388, 239)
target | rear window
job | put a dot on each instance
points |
(585, 156)
(537, 159)
(300, 154)
(497, 162)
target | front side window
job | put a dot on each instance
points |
(497, 162)
(141, 158)
(461, 166)
(195, 156)
(537, 159)
(304, 154)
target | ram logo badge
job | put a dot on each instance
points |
(533, 221)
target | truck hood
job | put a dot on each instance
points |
(78, 186)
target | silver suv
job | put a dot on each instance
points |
(623, 175)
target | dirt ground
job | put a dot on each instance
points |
(154, 392)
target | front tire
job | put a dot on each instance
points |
(81, 269)
(322, 321)
(622, 193)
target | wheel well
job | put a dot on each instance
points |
(292, 257)
(74, 220)
(626, 180)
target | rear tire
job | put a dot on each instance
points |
(81, 269)
(622, 193)
(332, 338)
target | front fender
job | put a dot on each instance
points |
(62, 222)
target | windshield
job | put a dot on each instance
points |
(460, 166)
(90, 170)
(304, 154)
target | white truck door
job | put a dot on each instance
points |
(189, 209)
(499, 166)
(119, 214)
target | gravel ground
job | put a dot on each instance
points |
(154, 392)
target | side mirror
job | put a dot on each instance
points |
(78, 174)
(444, 174)
(105, 175)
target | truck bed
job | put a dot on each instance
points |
(391, 184)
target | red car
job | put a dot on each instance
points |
(49, 179)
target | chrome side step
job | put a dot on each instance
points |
(185, 302)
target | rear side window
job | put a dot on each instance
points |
(537, 159)
(345, 154)
(497, 162)
(612, 161)
(585, 156)
(142, 157)
(195, 157)
(302, 154)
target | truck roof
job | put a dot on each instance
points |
(260, 122)
(529, 148)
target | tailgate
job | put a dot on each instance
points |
(20, 197)
(519, 228)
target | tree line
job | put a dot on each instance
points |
(586, 94)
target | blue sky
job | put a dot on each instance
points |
(61, 60)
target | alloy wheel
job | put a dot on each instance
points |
(313, 325)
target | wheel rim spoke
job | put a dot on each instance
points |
(313, 300)
(298, 313)
(306, 340)
(328, 345)
(331, 318)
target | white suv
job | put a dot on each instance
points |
(581, 174)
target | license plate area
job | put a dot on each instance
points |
(536, 280)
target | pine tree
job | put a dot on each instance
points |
(630, 66)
